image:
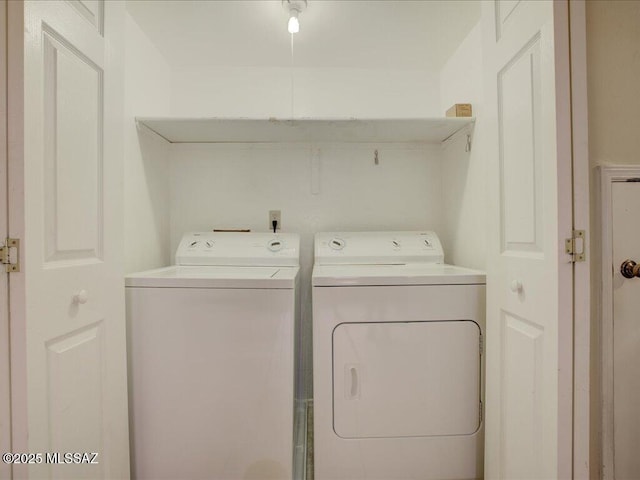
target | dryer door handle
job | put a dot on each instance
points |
(352, 382)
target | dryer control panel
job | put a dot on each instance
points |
(377, 248)
(241, 249)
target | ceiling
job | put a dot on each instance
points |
(398, 34)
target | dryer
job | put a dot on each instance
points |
(397, 359)
(211, 359)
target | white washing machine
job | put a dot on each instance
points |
(211, 359)
(397, 359)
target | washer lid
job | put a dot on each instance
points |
(231, 248)
(179, 276)
(377, 248)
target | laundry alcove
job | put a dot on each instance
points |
(336, 137)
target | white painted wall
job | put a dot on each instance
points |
(393, 34)
(464, 203)
(613, 56)
(317, 92)
(146, 165)
(234, 186)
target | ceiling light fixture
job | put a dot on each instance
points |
(294, 25)
(294, 7)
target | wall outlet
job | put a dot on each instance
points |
(275, 215)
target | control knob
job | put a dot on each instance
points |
(337, 243)
(275, 245)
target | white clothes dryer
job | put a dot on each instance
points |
(397, 359)
(211, 359)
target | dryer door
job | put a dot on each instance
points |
(406, 379)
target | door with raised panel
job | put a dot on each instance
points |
(529, 276)
(625, 229)
(67, 309)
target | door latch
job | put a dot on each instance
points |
(11, 262)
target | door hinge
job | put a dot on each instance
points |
(481, 345)
(576, 246)
(11, 262)
(480, 411)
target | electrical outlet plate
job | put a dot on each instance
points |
(275, 215)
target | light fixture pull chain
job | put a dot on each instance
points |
(291, 70)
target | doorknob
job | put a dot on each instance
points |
(81, 297)
(630, 269)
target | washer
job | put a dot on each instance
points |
(211, 359)
(397, 359)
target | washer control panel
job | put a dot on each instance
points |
(376, 248)
(231, 248)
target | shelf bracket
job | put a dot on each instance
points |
(141, 126)
(465, 132)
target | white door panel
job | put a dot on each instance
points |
(504, 13)
(73, 137)
(77, 358)
(92, 11)
(74, 330)
(626, 331)
(522, 351)
(518, 117)
(527, 269)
